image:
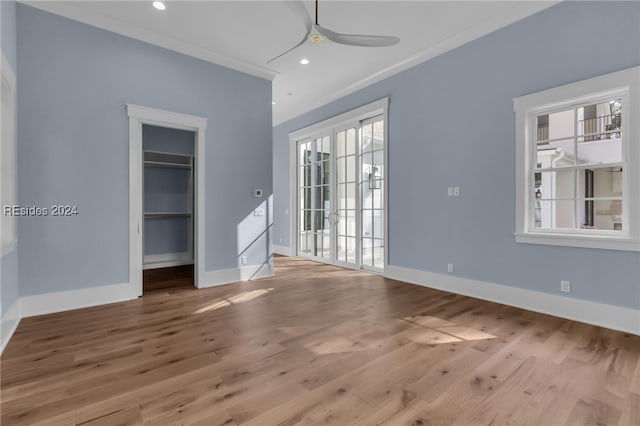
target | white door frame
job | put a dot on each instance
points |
(138, 116)
(378, 107)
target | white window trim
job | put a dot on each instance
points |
(527, 107)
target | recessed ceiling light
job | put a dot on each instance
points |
(159, 5)
(304, 61)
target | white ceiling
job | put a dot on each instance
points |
(244, 35)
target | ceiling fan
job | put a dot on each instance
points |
(320, 33)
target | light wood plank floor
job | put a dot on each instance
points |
(316, 345)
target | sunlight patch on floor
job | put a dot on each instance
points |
(233, 299)
(434, 331)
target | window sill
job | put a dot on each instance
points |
(581, 241)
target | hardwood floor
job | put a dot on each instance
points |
(165, 278)
(316, 345)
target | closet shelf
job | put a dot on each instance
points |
(165, 164)
(166, 214)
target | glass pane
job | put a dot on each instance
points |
(304, 153)
(342, 249)
(366, 165)
(351, 195)
(325, 177)
(378, 224)
(378, 199)
(351, 141)
(554, 185)
(601, 151)
(351, 250)
(326, 145)
(367, 135)
(342, 196)
(342, 222)
(560, 153)
(351, 223)
(351, 168)
(340, 147)
(367, 223)
(600, 121)
(326, 198)
(341, 165)
(326, 244)
(367, 251)
(378, 134)
(608, 215)
(555, 214)
(600, 182)
(378, 254)
(561, 124)
(303, 242)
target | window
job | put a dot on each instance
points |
(7, 157)
(578, 155)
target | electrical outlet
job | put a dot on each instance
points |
(450, 267)
(565, 286)
(244, 260)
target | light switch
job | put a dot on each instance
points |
(450, 191)
(456, 191)
(257, 193)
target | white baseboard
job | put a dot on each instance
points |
(600, 314)
(10, 321)
(227, 276)
(166, 260)
(48, 303)
(283, 250)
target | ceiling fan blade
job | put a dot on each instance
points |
(300, 11)
(358, 40)
(294, 47)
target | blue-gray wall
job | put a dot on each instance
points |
(9, 263)
(451, 122)
(73, 146)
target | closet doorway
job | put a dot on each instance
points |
(167, 187)
(166, 194)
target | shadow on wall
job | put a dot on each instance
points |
(254, 234)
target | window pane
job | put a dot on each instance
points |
(340, 144)
(342, 196)
(351, 195)
(341, 170)
(351, 168)
(554, 185)
(367, 223)
(378, 224)
(378, 254)
(351, 222)
(351, 250)
(600, 182)
(561, 124)
(555, 214)
(378, 134)
(560, 153)
(367, 134)
(600, 121)
(351, 141)
(608, 215)
(342, 222)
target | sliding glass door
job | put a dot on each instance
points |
(340, 201)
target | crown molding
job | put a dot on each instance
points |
(495, 23)
(72, 11)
